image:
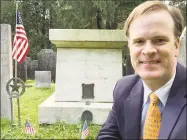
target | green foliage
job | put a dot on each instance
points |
(29, 82)
(29, 103)
(41, 15)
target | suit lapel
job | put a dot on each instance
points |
(132, 111)
(175, 103)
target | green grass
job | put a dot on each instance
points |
(29, 102)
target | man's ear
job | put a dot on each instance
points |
(177, 45)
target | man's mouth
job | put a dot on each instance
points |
(150, 62)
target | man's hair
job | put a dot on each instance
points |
(155, 6)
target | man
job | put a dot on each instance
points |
(150, 104)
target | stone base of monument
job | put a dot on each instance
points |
(51, 112)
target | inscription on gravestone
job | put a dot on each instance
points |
(87, 91)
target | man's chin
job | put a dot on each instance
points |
(149, 76)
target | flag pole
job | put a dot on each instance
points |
(15, 71)
(19, 119)
(16, 23)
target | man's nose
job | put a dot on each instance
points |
(149, 49)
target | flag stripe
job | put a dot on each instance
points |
(21, 45)
(21, 34)
(20, 26)
(15, 46)
(24, 53)
(85, 133)
(21, 29)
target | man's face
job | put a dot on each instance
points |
(153, 46)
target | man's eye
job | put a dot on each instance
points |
(139, 41)
(159, 40)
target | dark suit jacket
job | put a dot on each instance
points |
(124, 120)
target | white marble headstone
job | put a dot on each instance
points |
(42, 79)
(6, 69)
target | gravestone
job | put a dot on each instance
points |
(47, 61)
(28, 59)
(42, 79)
(182, 49)
(22, 70)
(6, 69)
(32, 67)
(89, 62)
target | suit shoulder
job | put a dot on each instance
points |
(124, 85)
(129, 79)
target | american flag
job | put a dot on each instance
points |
(85, 130)
(20, 44)
(28, 128)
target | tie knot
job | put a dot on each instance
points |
(153, 98)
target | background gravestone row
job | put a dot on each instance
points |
(46, 62)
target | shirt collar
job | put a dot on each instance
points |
(162, 93)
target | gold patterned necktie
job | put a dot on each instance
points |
(153, 119)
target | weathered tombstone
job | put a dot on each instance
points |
(28, 67)
(32, 67)
(6, 69)
(89, 62)
(47, 62)
(22, 70)
(42, 79)
(182, 49)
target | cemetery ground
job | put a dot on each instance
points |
(29, 103)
